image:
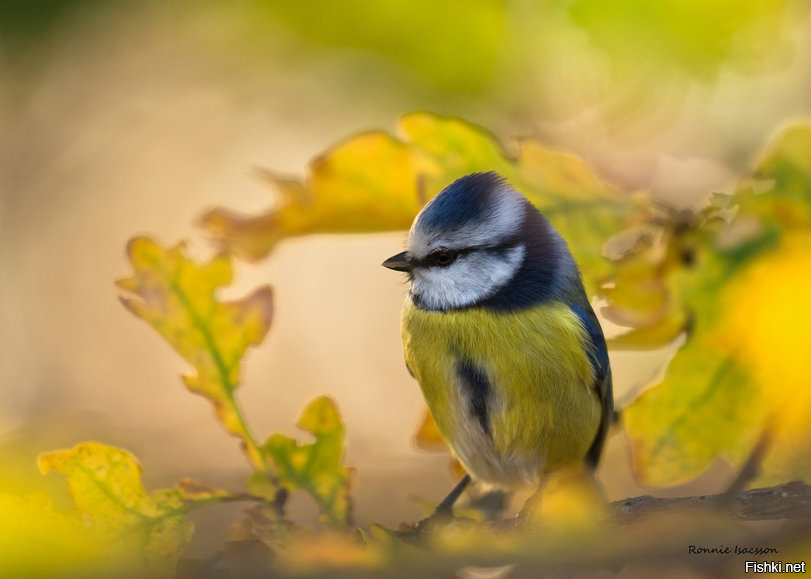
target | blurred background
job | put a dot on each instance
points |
(124, 117)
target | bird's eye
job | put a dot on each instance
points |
(442, 257)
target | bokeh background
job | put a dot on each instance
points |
(124, 117)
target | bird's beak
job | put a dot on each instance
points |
(399, 262)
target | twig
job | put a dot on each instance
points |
(791, 500)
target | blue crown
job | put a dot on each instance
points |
(462, 201)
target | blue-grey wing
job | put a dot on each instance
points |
(603, 385)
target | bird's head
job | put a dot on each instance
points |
(467, 243)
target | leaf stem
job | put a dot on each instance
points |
(255, 456)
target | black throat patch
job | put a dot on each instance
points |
(476, 388)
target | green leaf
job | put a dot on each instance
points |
(706, 406)
(376, 182)
(177, 297)
(105, 485)
(743, 294)
(316, 468)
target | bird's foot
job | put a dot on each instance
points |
(436, 520)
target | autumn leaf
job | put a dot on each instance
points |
(177, 297)
(706, 406)
(744, 370)
(113, 507)
(30, 525)
(427, 436)
(376, 182)
(768, 328)
(368, 183)
(316, 468)
(742, 294)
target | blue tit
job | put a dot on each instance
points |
(499, 333)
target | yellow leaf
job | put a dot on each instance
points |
(768, 325)
(374, 182)
(368, 183)
(105, 485)
(178, 298)
(427, 436)
(639, 296)
(744, 367)
(316, 468)
(30, 526)
(707, 405)
(645, 290)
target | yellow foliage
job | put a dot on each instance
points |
(316, 467)
(178, 298)
(744, 366)
(105, 485)
(375, 182)
(768, 329)
(30, 526)
(114, 528)
(743, 300)
(427, 436)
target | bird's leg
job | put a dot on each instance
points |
(443, 511)
(445, 508)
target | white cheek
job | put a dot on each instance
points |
(470, 279)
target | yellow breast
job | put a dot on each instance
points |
(542, 410)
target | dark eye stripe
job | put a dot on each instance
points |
(433, 258)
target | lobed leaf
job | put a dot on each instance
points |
(375, 182)
(316, 468)
(177, 297)
(743, 294)
(110, 500)
(707, 404)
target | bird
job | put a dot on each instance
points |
(499, 333)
